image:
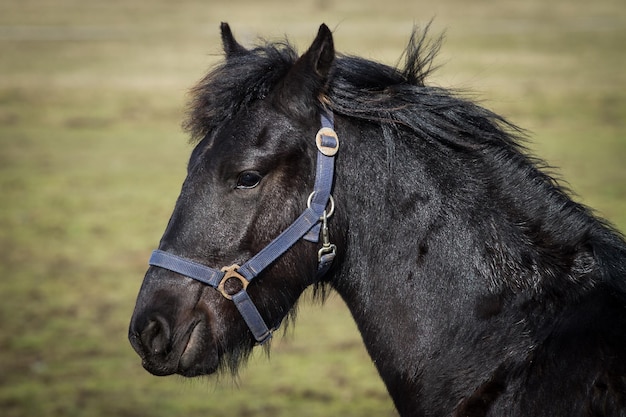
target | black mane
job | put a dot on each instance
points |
(567, 234)
(358, 88)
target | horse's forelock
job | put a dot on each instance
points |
(234, 84)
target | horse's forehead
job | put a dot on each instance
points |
(236, 128)
(255, 128)
(262, 126)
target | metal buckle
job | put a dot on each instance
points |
(231, 273)
(324, 149)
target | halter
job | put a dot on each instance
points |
(308, 226)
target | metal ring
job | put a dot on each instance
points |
(231, 272)
(331, 200)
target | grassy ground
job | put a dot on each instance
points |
(92, 158)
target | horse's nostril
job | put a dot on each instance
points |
(156, 337)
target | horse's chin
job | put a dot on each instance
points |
(198, 369)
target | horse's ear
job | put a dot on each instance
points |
(306, 82)
(231, 46)
(320, 55)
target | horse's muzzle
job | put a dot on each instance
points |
(165, 350)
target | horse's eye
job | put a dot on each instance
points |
(248, 179)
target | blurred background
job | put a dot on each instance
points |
(92, 157)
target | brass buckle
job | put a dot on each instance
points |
(327, 150)
(231, 273)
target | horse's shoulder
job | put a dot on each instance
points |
(580, 365)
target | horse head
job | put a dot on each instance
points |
(249, 177)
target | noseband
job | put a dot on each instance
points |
(311, 223)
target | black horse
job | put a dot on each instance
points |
(479, 287)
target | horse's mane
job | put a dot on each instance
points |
(359, 88)
(399, 99)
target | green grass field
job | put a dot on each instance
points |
(92, 158)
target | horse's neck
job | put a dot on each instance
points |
(437, 342)
(400, 276)
(436, 287)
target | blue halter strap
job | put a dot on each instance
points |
(309, 226)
